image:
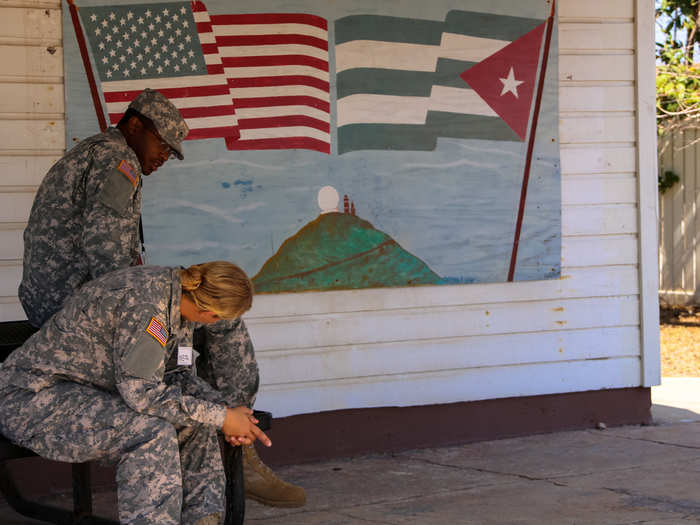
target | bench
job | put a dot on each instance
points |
(12, 335)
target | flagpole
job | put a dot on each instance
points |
(531, 145)
(86, 62)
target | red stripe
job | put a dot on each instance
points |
(180, 92)
(204, 27)
(197, 6)
(271, 18)
(283, 122)
(215, 69)
(198, 112)
(264, 102)
(213, 133)
(259, 40)
(282, 143)
(276, 60)
(210, 49)
(282, 80)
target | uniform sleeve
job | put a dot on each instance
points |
(140, 356)
(110, 217)
(231, 365)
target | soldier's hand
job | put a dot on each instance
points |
(240, 427)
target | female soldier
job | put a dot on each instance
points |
(91, 384)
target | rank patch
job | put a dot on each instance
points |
(157, 330)
(125, 168)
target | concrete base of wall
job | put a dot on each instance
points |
(343, 433)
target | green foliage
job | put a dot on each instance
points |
(667, 180)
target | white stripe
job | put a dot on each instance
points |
(382, 109)
(458, 100)
(181, 103)
(273, 71)
(212, 59)
(270, 29)
(282, 132)
(279, 91)
(162, 83)
(282, 111)
(207, 38)
(273, 50)
(469, 48)
(201, 16)
(211, 122)
(385, 55)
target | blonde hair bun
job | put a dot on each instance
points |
(218, 286)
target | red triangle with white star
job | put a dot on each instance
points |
(506, 79)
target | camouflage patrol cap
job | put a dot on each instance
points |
(165, 116)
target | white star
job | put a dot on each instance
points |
(150, 63)
(129, 15)
(183, 10)
(178, 32)
(166, 12)
(161, 33)
(126, 72)
(164, 48)
(112, 53)
(190, 53)
(137, 43)
(174, 54)
(140, 20)
(139, 57)
(108, 38)
(115, 67)
(93, 17)
(125, 36)
(143, 70)
(510, 84)
(151, 27)
(188, 38)
(122, 59)
(122, 21)
(133, 65)
(97, 31)
(104, 23)
(104, 60)
(129, 51)
(184, 60)
(112, 16)
(147, 49)
(171, 40)
(194, 66)
(109, 74)
(181, 46)
(154, 41)
(159, 69)
(175, 18)
(101, 45)
(119, 43)
(148, 14)
(133, 29)
(166, 62)
(177, 68)
(185, 24)
(156, 56)
(157, 19)
(115, 29)
(168, 25)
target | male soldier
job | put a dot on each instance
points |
(85, 223)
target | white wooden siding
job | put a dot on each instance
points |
(422, 345)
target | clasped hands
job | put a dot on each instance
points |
(240, 427)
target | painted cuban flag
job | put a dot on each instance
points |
(169, 47)
(404, 82)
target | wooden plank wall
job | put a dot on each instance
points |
(423, 345)
(32, 125)
(679, 223)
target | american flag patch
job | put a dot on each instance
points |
(125, 168)
(157, 330)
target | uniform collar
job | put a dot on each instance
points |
(175, 298)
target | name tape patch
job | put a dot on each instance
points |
(126, 169)
(157, 330)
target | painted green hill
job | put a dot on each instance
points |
(340, 251)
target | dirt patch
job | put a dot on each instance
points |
(680, 341)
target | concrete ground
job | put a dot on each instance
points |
(626, 475)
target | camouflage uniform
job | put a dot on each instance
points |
(85, 217)
(93, 383)
(84, 222)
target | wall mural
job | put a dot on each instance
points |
(339, 145)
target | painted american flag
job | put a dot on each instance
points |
(276, 65)
(169, 47)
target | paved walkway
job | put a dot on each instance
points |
(621, 476)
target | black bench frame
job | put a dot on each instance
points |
(12, 335)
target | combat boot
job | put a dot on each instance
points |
(263, 485)
(212, 519)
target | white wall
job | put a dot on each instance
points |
(322, 351)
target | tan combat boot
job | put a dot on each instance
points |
(212, 519)
(263, 485)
